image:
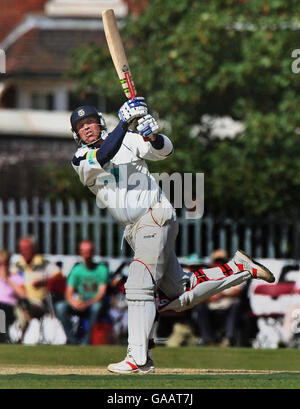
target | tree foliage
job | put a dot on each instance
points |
(191, 58)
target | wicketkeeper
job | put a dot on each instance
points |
(113, 166)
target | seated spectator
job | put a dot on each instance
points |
(86, 287)
(37, 273)
(291, 319)
(118, 311)
(11, 290)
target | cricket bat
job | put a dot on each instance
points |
(117, 52)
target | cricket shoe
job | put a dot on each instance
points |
(244, 262)
(129, 366)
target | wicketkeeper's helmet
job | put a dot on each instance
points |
(84, 112)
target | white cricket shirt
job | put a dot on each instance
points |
(124, 184)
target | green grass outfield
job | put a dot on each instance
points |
(79, 367)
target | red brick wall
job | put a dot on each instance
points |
(13, 11)
(136, 6)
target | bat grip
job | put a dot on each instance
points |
(130, 84)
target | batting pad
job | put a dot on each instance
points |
(205, 290)
(141, 310)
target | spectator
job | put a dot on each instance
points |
(37, 273)
(291, 319)
(118, 311)
(11, 290)
(223, 308)
(86, 287)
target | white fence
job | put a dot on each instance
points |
(59, 226)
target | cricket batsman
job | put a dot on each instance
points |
(113, 166)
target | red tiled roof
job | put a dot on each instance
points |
(13, 11)
(47, 51)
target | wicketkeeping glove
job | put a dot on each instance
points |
(147, 127)
(132, 109)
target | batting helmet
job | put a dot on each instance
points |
(84, 112)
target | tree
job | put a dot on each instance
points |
(220, 58)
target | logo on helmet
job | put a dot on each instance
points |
(81, 112)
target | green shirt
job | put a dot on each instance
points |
(86, 281)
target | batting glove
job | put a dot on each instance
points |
(147, 127)
(132, 109)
